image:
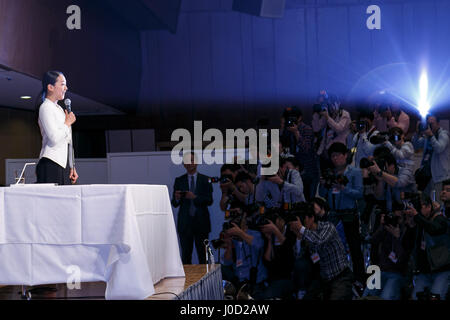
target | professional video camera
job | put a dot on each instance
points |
(331, 178)
(265, 215)
(365, 163)
(262, 217)
(297, 210)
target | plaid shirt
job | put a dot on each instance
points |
(326, 243)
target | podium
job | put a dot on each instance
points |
(123, 235)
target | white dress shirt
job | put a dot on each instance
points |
(56, 135)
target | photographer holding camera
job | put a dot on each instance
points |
(243, 257)
(435, 166)
(331, 122)
(432, 251)
(286, 187)
(401, 150)
(389, 115)
(342, 187)
(193, 194)
(361, 145)
(392, 245)
(392, 180)
(278, 257)
(232, 197)
(301, 144)
(328, 251)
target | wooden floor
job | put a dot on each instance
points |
(164, 290)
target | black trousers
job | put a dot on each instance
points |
(187, 240)
(351, 230)
(48, 171)
(340, 288)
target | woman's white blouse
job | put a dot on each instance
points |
(56, 136)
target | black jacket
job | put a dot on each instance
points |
(203, 190)
(435, 232)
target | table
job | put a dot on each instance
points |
(123, 235)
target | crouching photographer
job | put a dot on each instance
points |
(328, 251)
(243, 257)
(432, 251)
(392, 245)
(342, 187)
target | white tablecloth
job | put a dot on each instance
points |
(123, 235)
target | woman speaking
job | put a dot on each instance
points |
(56, 163)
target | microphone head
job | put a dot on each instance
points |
(68, 104)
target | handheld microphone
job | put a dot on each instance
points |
(68, 104)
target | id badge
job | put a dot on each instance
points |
(239, 263)
(423, 245)
(335, 191)
(315, 258)
(393, 257)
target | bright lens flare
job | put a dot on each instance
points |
(423, 106)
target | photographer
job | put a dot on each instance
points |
(193, 194)
(231, 196)
(361, 140)
(243, 256)
(279, 257)
(401, 150)
(342, 190)
(327, 250)
(390, 115)
(396, 117)
(392, 245)
(432, 250)
(301, 144)
(245, 189)
(435, 166)
(331, 123)
(284, 187)
(306, 274)
(392, 180)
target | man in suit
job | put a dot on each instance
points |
(193, 194)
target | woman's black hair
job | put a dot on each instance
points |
(50, 77)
